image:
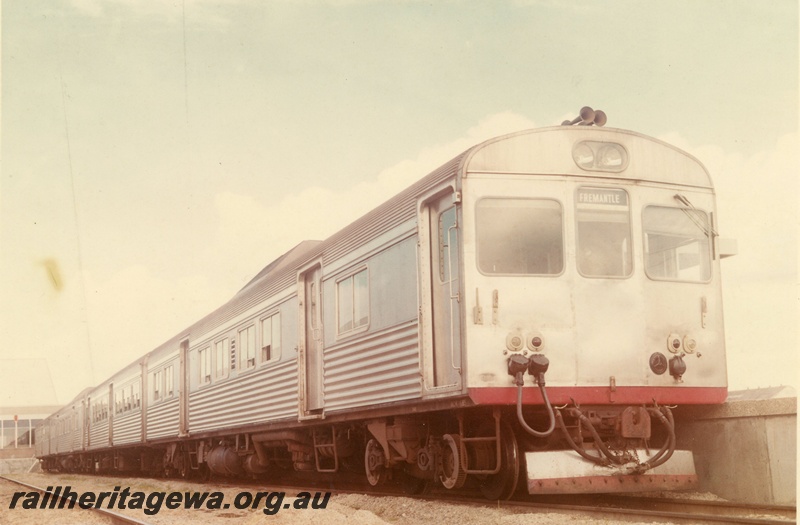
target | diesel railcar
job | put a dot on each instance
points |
(523, 316)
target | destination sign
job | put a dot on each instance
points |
(607, 197)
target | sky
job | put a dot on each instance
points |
(156, 155)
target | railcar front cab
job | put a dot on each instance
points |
(591, 260)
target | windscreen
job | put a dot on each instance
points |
(520, 236)
(677, 244)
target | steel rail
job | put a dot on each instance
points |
(626, 508)
(115, 517)
(711, 507)
(741, 515)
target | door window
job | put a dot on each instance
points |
(603, 232)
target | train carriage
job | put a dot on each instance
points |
(522, 316)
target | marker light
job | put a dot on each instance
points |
(514, 341)
(674, 343)
(689, 344)
(535, 342)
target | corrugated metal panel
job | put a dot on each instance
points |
(76, 439)
(98, 435)
(128, 428)
(262, 395)
(377, 368)
(48, 445)
(162, 419)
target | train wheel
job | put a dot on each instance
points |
(374, 463)
(501, 486)
(452, 475)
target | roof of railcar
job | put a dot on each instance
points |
(550, 151)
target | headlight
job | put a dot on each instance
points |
(611, 158)
(593, 155)
(583, 156)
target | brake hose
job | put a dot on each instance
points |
(549, 408)
(668, 448)
(600, 460)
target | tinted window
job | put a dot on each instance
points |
(520, 236)
(352, 301)
(677, 246)
(604, 232)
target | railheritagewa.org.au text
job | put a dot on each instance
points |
(153, 502)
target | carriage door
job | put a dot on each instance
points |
(311, 351)
(183, 390)
(445, 293)
(87, 425)
(84, 422)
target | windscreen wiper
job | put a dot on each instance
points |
(705, 228)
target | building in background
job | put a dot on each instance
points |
(27, 396)
(754, 394)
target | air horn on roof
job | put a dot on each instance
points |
(587, 117)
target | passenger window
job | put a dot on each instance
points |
(520, 236)
(169, 382)
(603, 232)
(352, 302)
(271, 338)
(136, 391)
(247, 347)
(158, 385)
(677, 244)
(222, 352)
(204, 358)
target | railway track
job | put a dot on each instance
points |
(664, 510)
(114, 518)
(602, 507)
(712, 510)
